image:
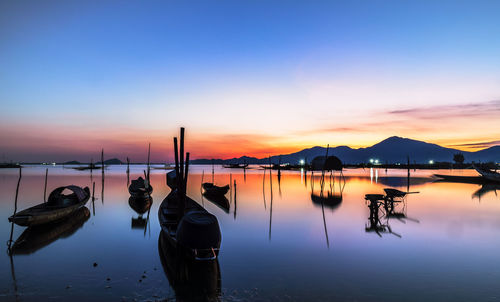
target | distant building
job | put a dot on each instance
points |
(332, 163)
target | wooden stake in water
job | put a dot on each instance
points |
(45, 187)
(149, 153)
(15, 207)
(128, 171)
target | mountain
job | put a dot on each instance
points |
(394, 149)
(112, 161)
(73, 162)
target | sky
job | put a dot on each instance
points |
(250, 78)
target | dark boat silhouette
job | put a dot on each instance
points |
(58, 206)
(187, 225)
(89, 167)
(37, 237)
(219, 200)
(235, 166)
(191, 280)
(214, 190)
(140, 188)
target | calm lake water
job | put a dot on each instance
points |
(278, 242)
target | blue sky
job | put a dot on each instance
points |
(271, 69)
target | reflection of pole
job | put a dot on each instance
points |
(93, 198)
(263, 188)
(13, 273)
(271, 207)
(324, 224)
(102, 172)
(235, 199)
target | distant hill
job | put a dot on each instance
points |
(391, 150)
(73, 162)
(112, 161)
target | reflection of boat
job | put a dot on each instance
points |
(461, 179)
(374, 201)
(219, 200)
(191, 280)
(213, 190)
(330, 200)
(140, 187)
(235, 166)
(488, 174)
(486, 188)
(37, 237)
(58, 206)
(140, 205)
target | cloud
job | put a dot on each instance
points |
(481, 109)
(478, 145)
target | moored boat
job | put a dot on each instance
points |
(57, 207)
(235, 166)
(212, 189)
(140, 188)
(488, 174)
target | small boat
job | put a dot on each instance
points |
(211, 189)
(36, 237)
(235, 166)
(191, 229)
(89, 167)
(488, 174)
(219, 200)
(461, 179)
(57, 207)
(140, 188)
(9, 166)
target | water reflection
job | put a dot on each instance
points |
(141, 205)
(37, 237)
(191, 280)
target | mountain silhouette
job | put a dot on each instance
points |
(394, 149)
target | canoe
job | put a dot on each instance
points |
(488, 174)
(219, 200)
(140, 188)
(235, 166)
(212, 189)
(197, 232)
(57, 207)
(191, 280)
(36, 237)
(462, 179)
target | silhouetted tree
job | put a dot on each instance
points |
(459, 158)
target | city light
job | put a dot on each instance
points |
(302, 162)
(431, 162)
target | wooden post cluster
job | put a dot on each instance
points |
(181, 171)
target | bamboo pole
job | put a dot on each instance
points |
(15, 207)
(45, 187)
(149, 152)
(235, 199)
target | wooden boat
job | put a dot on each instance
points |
(213, 190)
(9, 166)
(187, 226)
(235, 166)
(36, 237)
(195, 231)
(394, 193)
(462, 179)
(57, 207)
(89, 167)
(488, 174)
(191, 280)
(219, 200)
(140, 188)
